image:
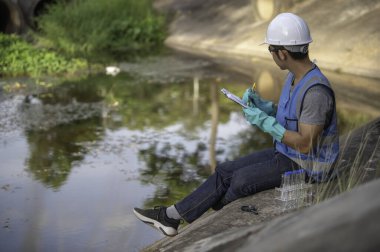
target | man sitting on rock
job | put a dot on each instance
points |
(303, 125)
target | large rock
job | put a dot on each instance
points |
(230, 228)
(348, 222)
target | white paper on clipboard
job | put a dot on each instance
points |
(233, 97)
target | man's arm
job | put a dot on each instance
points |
(317, 111)
(303, 140)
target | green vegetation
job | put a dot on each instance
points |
(59, 149)
(102, 30)
(73, 34)
(17, 57)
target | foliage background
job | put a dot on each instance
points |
(102, 30)
(73, 33)
(17, 57)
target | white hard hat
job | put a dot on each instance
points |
(288, 29)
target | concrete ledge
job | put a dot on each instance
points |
(348, 222)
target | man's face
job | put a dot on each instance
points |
(277, 55)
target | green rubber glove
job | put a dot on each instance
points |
(266, 123)
(246, 99)
(253, 99)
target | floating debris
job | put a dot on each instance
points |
(112, 70)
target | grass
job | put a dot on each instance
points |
(358, 163)
(102, 30)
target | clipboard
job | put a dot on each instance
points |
(233, 97)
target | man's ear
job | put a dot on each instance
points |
(283, 54)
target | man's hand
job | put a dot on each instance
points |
(266, 123)
(253, 99)
(246, 99)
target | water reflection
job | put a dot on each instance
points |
(54, 152)
(214, 110)
(65, 122)
(195, 95)
(62, 125)
(171, 168)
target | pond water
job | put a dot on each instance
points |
(78, 156)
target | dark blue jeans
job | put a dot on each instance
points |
(231, 180)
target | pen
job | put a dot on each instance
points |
(254, 91)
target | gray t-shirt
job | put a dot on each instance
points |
(318, 106)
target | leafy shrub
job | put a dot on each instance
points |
(17, 57)
(97, 29)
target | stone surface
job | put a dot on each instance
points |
(346, 33)
(348, 222)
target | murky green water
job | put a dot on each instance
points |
(75, 159)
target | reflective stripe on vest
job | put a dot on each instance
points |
(325, 152)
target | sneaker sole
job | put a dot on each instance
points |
(168, 231)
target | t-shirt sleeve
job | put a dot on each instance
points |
(318, 106)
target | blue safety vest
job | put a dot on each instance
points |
(322, 157)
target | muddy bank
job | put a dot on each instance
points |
(346, 33)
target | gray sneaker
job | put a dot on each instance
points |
(157, 218)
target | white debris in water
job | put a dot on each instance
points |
(112, 70)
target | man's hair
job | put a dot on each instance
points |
(298, 55)
(294, 55)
